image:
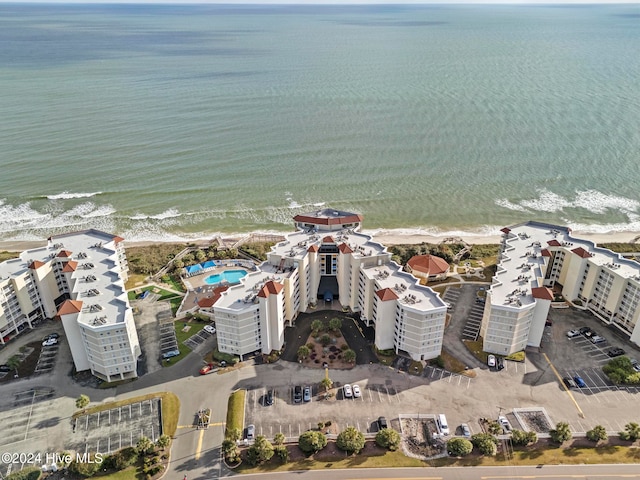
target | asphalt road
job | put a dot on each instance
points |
(559, 472)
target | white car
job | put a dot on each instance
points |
(356, 391)
(346, 391)
(210, 329)
(50, 342)
(573, 333)
(491, 360)
(504, 423)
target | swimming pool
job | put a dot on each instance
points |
(231, 276)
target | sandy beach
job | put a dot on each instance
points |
(384, 237)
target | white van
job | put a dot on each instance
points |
(442, 424)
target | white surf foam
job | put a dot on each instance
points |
(69, 195)
(594, 201)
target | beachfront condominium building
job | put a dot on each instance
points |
(78, 278)
(327, 260)
(537, 258)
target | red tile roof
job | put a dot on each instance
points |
(64, 254)
(339, 220)
(210, 301)
(545, 253)
(344, 248)
(581, 252)
(505, 230)
(428, 264)
(328, 239)
(270, 288)
(35, 264)
(386, 294)
(543, 293)
(69, 307)
(553, 243)
(70, 266)
(117, 239)
(313, 248)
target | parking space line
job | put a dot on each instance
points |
(553, 368)
(368, 390)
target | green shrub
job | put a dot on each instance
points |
(85, 469)
(260, 452)
(312, 441)
(282, 453)
(561, 433)
(485, 443)
(597, 433)
(388, 438)
(124, 458)
(350, 440)
(28, 473)
(459, 447)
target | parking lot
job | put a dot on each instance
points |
(47, 359)
(117, 428)
(535, 383)
(197, 339)
(24, 416)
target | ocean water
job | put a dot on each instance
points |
(166, 122)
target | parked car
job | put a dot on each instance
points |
(297, 394)
(491, 360)
(597, 339)
(615, 352)
(170, 354)
(268, 398)
(210, 329)
(584, 331)
(50, 342)
(382, 423)
(579, 381)
(251, 432)
(568, 381)
(499, 363)
(466, 431)
(5, 368)
(306, 396)
(54, 335)
(504, 423)
(573, 333)
(356, 391)
(590, 333)
(207, 369)
(346, 391)
(635, 364)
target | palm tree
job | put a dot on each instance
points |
(303, 352)
(163, 441)
(82, 401)
(13, 363)
(327, 383)
(349, 356)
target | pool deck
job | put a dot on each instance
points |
(197, 289)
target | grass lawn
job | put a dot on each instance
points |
(235, 411)
(174, 283)
(175, 304)
(135, 280)
(170, 409)
(388, 460)
(476, 349)
(452, 364)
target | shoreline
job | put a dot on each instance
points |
(384, 237)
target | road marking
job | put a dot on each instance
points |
(553, 368)
(586, 475)
(199, 447)
(217, 424)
